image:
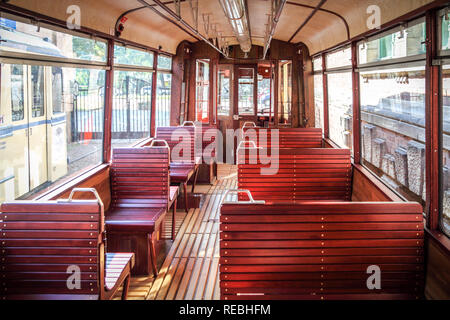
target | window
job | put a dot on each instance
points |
(340, 108)
(132, 57)
(132, 102)
(78, 144)
(340, 58)
(37, 89)
(52, 148)
(317, 64)
(393, 128)
(202, 91)
(17, 92)
(264, 105)
(163, 95)
(246, 102)
(318, 100)
(164, 62)
(406, 41)
(40, 41)
(285, 92)
(223, 96)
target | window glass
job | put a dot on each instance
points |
(163, 96)
(223, 96)
(50, 149)
(246, 102)
(202, 91)
(445, 31)
(340, 58)
(264, 97)
(318, 100)
(409, 41)
(317, 64)
(128, 56)
(37, 91)
(26, 38)
(17, 92)
(445, 182)
(340, 108)
(285, 92)
(132, 104)
(164, 62)
(393, 128)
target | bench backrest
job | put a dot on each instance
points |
(44, 243)
(321, 250)
(179, 139)
(139, 175)
(287, 138)
(303, 174)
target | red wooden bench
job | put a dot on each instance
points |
(43, 242)
(320, 250)
(287, 138)
(140, 198)
(303, 174)
(181, 170)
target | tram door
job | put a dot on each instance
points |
(23, 138)
(245, 99)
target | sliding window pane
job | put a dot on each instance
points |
(132, 105)
(409, 41)
(163, 95)
(339, 59)
(445, 31)
(26, 38)
(445, 182)
(340, 108)
(393, 128)
(133, 57)
(318, 100)
(317, 64)
(164, 62)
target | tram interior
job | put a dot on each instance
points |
(348, 100)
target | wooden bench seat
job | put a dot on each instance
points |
(44, 243)
(321, 250)
(182, 166)
(139, 202)
(303, 174)
(141, 220)
(287, 137)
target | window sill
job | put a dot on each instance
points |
(440, 238)
(67, 185)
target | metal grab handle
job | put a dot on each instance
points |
(253, 143)
(249, 194)
(91, 190)
(192, 124)
(152, 144)
(249, 122)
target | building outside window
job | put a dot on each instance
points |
(393, 109)
(340, 97)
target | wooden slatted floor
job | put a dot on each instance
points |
(191, 268)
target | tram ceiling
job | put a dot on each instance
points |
(319, 24)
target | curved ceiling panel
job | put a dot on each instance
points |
(322, 32)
